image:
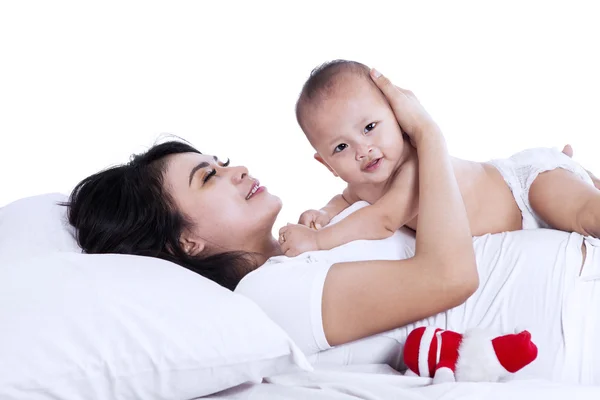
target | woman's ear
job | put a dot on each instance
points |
(191, 246)
(320, 159)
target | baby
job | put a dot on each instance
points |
(356, 136)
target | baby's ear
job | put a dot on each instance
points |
(320, 159)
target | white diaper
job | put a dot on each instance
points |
(520, 170)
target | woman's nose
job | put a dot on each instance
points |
(239, 173)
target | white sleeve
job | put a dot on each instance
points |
(290, 292)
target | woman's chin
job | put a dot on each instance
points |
(272, 202)
(275, 206)
(267, 208)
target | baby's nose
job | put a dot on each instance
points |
(363, 151)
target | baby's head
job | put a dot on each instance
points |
(350, 124)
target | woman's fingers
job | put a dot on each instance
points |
(410, 114)
(390, 91)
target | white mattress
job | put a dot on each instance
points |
(380, 382)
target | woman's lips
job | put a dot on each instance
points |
(254, 190)
(258, 191)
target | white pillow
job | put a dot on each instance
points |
(78, 326)
(35, 225)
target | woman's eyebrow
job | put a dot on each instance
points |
(203, 164)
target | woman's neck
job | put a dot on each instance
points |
(259, 254)
(269, 248)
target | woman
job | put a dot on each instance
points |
(175, 203)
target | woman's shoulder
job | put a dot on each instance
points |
(289, 291)
(281, 270)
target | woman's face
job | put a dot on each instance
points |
(229, 208)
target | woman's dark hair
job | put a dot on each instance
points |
(126, 210)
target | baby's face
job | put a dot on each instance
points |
(355, 133)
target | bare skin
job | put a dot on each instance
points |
(490, 205)
(355, 137)
(226, 213)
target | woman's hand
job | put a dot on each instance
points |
(413, 119)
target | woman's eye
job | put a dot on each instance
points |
(340, 147)
(209, 175)
(370, 127)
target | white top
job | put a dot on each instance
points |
(290, 289)
(527, 281)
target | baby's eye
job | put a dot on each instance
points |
(370, 127)
(340, 147)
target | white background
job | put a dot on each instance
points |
(84, 85)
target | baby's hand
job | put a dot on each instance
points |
(297, 239)
(314, 219)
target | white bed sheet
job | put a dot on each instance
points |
(380, 382)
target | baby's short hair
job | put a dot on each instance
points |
(324, 79)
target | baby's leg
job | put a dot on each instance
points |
(566, 202)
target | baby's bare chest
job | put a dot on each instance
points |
(368, 193)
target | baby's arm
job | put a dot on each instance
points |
(395, 208)
(338, 204)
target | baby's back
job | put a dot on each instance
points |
(490, 204)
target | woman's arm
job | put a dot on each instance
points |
(365, 298)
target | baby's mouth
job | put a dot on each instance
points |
(373, 164)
